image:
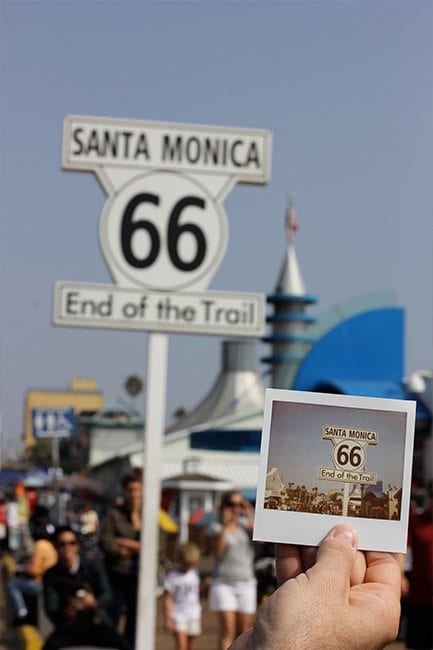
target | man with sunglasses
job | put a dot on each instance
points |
(76, 595)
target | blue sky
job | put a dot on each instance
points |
(346, 88)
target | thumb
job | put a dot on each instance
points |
(335, 559)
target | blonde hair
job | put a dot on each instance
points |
(188, 552)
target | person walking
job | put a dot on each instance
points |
(233, 592)
(88, 522)
(181, 599)
(120, 542)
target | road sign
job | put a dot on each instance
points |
(94, 143)
(210, 312)
(163, 233)
(163, 226)
(53, 422)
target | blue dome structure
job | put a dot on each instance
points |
(362, 355)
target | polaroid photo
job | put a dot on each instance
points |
(327, 459)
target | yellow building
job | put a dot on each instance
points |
(81, 395)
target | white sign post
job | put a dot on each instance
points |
(163, 233)
(157, 351)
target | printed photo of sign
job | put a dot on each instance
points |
(325, 458)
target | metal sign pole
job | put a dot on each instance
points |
(55, 459)
(157, 352)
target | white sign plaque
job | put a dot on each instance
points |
(95, 142)
(108, 306)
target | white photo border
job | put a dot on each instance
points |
(310, 528)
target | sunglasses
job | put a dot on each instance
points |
(235, 504)
(67, 542)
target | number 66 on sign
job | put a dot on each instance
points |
(173, 234)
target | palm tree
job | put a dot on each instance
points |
(134, 386)
(180, 412)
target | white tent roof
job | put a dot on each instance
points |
(237, 390)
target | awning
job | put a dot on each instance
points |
(202, 518)
(10, 477)
(230, 467)
(373, 388)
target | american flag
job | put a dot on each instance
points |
(292, 223)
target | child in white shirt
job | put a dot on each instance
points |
(181, 599)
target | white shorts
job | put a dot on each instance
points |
(240, 596)
(192, 628)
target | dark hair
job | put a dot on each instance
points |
(64, 529)
(227, 497)
(41, 526)
(43, 531)
(41, 512)
(134, 476)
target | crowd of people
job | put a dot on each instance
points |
(87, 577)
(85, 570)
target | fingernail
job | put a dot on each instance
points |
(346, 533)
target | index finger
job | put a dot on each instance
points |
(291, 560)
(383, 568)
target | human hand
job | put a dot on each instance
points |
(227, 515)
(77, 603)
(71, 609)
(330, 598)
(246, 515)
(83, 600)
(88, 600)
(124, 551)
(128, 546)
(247, 506)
